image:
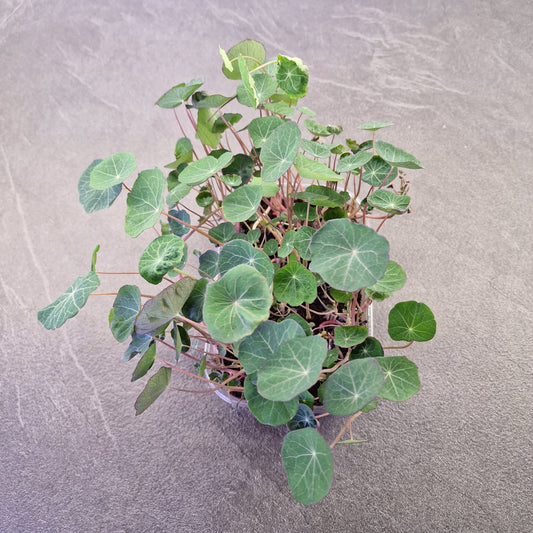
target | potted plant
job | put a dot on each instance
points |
(273, 309)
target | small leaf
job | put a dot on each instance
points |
(236, 304)
(266, 411)
(279, 150)
(178, 94)
(401, 378)
(370, 347)
(388, 201)
(138, 344)
(351, 162)
(112, 171)
(374, 126)
(352, 386)
(145, 202)
(177, 228)
(378, 172)
(321, 196)
(163, 307)
(145, 363)
(69, 304)
(261, 128)
(318, 129)
(316, 149)
(393, 280)
(223, 232)
(155, 386)
(95, 199)
(253, 52)
(204, 127)
(125, 309)
(304, 418)
(243, 253)
(308, 463)
(395, 156)
(208, 264)
(192, 308)
(248, 82)
(287, 245)
(242, 203)
(292, 76)
(225, 59)
(348, 336)
(411, 321)
(293, 368)
(314, 170)
(199, 171)
(294, 284)
(161, 255)
(302, 242)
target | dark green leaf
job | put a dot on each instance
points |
(378, 172)
(279, 150)
(304, 418)
(178, 94)
(294, 284)
(208, 266)
(370, 347)
(223, 232)
(92, 199)
(321, 196)
(243, 253)
(145, 363)
(401, 378)
(125, 309)
(192, 308)
(348, 336)
(411, 321)
(155, 386)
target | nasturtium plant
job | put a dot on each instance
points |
(270, 304)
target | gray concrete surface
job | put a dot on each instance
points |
(78, 81)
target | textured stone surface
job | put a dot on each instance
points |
(78, 82)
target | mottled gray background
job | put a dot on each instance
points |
(78, 81)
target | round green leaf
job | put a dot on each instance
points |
(242, 203)
(376, 172)
(348, 256)
(236, 304)
(261, 128)
(294, 284)
(317, 129)
(266, 411)
(393, 280)
(199, 171)
(302, 242)
(314, 170)
(321, 196)
(292, 76)
(395, 156)
(95, 199)
(351, 162)
(161, 255)
(411, 321)
(388, 201)
(265, 87)
(308, 463)
(304, 418)
(256, 349)
(401, 378)
(279, 150)
(370, 347)
(125, 309)
(253, 52)
(293, 368)
(348, 336)
(352, 386)
(178, 94)
(223, 232)
(243, 253)
(177, 228)
(208, 264)
(145, 201)
(112, 170)
(322, 151)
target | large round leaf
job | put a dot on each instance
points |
(242, 203)
(255, 350)
(411, 321)
(294, 284)
(112, 170)
(279, 150)
(236, 304)
(401, 378)
(348, 256)
(293, 368)
(161, 255)
(352, 386)
(253, 52)
(292, 76)
(145, 201)
(241, 252)
(308, 463)
(267, 411)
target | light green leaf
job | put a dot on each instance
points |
(112, 171)
(321, 196)
(243, 253)
(163, 307)
(314, 170)
(308, 463)
(292, 76)
(348, 336)
(248, 82)
(395, 156)
(125, 309)
(160, 256)
(145, 363)
(280, 108)
(178, 94)
(183, 153)
(351, 162)
(279, 150)
(225, 59)
(401, 378)
(265, 87)
(236, 304)
(411, 321)
(352, 386)
(205, 127)
(294, 284)
(302, 242)
(292, 369)
(252, 51)
(269, 189)
(155, 386)
(68, 304)
(388, 201)
(393, 280)
(145, 201)
(287, 245)
(95, 199)
(199, 171)
(378, 172)
(315, 149)
(374, 126)
(321, 131)
(242, 203)
(348, 256)
(261, 128)
(138, 344)
(256, 349)
(266, 411)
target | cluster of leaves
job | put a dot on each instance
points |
(280, 293)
